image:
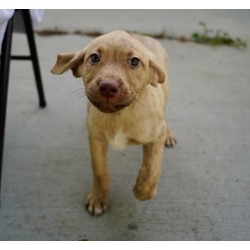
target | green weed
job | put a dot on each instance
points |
(219, 37)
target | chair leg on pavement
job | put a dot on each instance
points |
(34, 57)
(4, 78)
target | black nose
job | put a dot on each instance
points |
(108, 88)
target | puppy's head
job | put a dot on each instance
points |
(115, 69)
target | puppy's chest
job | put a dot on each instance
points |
(119, 140)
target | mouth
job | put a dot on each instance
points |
(109, 107)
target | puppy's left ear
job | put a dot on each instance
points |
(66, 61)
(157, 74)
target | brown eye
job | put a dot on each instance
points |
(94, 58)
(134, 62)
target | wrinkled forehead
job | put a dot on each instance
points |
(118, 43)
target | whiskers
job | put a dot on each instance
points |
(77, 92)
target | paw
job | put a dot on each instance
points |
(143, 191)
(170, 140)
(96, 204)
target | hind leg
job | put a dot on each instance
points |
(170, 139)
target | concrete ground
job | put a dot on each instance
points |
(204, 190)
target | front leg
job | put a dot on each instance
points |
(97, 200)
(147, 180)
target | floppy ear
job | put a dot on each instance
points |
(157, 74)
(66, 61)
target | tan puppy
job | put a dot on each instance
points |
(125, 79)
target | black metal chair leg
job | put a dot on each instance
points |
(34, 57)
(4, 78)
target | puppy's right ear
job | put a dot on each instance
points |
(66, 61)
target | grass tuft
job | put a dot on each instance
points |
(214, 38)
